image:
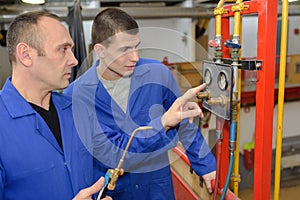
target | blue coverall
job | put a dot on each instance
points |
(32, 165)
(147, 175)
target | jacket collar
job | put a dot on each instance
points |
(17, 106)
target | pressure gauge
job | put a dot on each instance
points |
(223, 80)
(207, 76)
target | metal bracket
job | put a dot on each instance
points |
(245, 64)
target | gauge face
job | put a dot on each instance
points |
(223, 80)
(207, 77)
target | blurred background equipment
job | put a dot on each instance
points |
(74, 21)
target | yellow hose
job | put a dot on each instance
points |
(237, 150)
(237, 32)
(218, 25)
(221, 3)
(284, 24)
(219, 10)
(237, 23)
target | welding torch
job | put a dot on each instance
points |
(112, 175)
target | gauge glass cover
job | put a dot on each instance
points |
(222, 80)
(207, 77)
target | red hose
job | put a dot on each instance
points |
(218, 155)
(219, 127)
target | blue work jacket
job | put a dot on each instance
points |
(153, 89)
(32, 164)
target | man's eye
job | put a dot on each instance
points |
(63, 49)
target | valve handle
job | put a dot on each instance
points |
(230, 44)
(213, 43)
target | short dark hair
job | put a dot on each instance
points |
(24, 28)
(111, 21)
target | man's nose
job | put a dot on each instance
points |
(72, 60)
(134, 56)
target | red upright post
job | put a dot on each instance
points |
(266, 51)
(224, 163)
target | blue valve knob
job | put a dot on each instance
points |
(230, 44)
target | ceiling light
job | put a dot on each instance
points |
(34, 1)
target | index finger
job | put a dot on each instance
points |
(191, 93)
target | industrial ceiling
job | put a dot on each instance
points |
(137, 8)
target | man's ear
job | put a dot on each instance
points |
(24, 54)
(100, 50)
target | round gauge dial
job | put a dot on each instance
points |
(207, 76)
(223, 80)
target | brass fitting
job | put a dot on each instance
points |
(221, 100)
(235, 99)
(202, 95)
(114, 175)
(220, 11)
(235, 178)
(239, 7)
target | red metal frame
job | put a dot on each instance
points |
(180, 152)
(290, 93)
(181, 189)
(266, 51)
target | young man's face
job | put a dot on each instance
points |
(120, 56)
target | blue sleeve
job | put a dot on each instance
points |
(108, 143)
(150, 151)
(1, 182)
(197, 150)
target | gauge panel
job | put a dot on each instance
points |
(218, 78)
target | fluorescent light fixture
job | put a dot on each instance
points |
(292, 0)
(34, 1)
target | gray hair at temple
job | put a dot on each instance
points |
(24, 28)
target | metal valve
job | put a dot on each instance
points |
(221, 100)
(231, 44)
(202, 95)
(114, 175)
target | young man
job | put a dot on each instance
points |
(122, 92)
(41, 156)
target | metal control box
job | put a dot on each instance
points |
(218, 78)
